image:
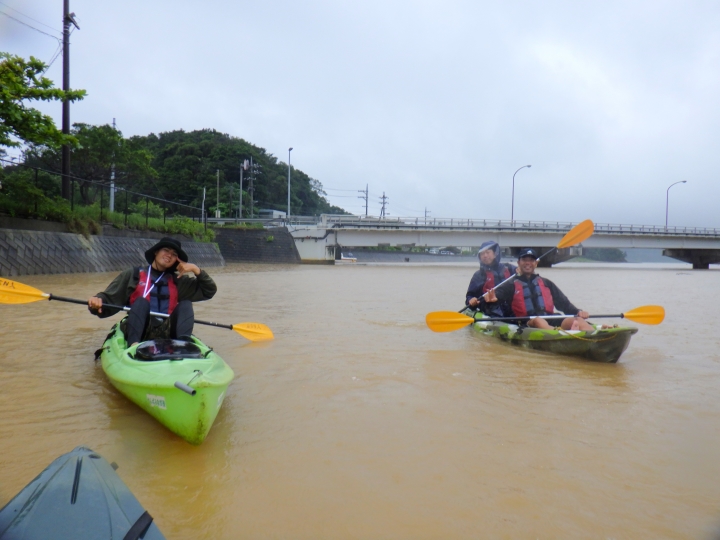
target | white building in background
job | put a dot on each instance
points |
(267, 213)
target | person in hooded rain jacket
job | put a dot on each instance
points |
(492, 272)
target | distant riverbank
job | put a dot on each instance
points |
(363, 256)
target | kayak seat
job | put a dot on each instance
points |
(167, 349)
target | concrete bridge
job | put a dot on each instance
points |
(321, 239)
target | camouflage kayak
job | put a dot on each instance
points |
(600, 345)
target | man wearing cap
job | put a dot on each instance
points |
(529, 295)
(492, 272)
(157, 288)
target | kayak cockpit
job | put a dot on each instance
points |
(167, 349)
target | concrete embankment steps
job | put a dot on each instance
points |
(257, 245)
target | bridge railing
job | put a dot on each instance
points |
(345, 221)
(495, 225)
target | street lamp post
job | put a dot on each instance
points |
(667, 200)
(288, 212)
(512, 208)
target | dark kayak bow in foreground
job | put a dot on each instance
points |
(79, 495)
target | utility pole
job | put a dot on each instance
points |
(254, 170)
(68, 18)
(243, 167)
(365, 196)
(202, 210)
(251, 187)
(427, 212)
(384, 202)
(288, 211)
(111, 205)
(217, 205)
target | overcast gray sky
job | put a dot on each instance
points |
(434, 103)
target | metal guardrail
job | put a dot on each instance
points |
(414, 223)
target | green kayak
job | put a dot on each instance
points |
(181, 384)
(600, 345)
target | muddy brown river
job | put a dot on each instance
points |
(359, 422)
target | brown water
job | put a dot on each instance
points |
(359, 422)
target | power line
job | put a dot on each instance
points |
(29, 17)
(29, 26)
(98, 183)
(55, 56)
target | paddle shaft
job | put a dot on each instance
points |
(516, 275)
(501, 319)
(581, 231)
(126, 308)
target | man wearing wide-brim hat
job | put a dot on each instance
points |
(169, 285)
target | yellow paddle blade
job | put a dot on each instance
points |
(646, 314)
(12, 292)
(447, 321)
(581, 231)
(253, 331)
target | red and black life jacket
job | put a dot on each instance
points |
(171, 295)
(533, 298)
(495, 277)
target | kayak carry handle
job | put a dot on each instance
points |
(185, 388)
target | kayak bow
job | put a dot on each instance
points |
(181, 384)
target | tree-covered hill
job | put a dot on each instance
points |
(188, 161)
(177, 165)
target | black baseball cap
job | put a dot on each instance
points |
(527, 252)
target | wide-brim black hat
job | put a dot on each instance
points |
(168, 243)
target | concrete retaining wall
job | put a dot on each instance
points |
(25, 252)
(257, 245)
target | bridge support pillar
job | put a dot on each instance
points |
(557, 256)
(701, 259)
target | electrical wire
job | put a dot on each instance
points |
(55, 56)
(29, 26)
(29, 17)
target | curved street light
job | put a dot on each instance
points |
(667, 200)
(512, 208)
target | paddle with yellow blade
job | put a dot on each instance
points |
(449, 321)
(579, 233)
(12, 292)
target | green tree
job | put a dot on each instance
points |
(21, 81)
(605, 254)
(188, 161)
(99, 149)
